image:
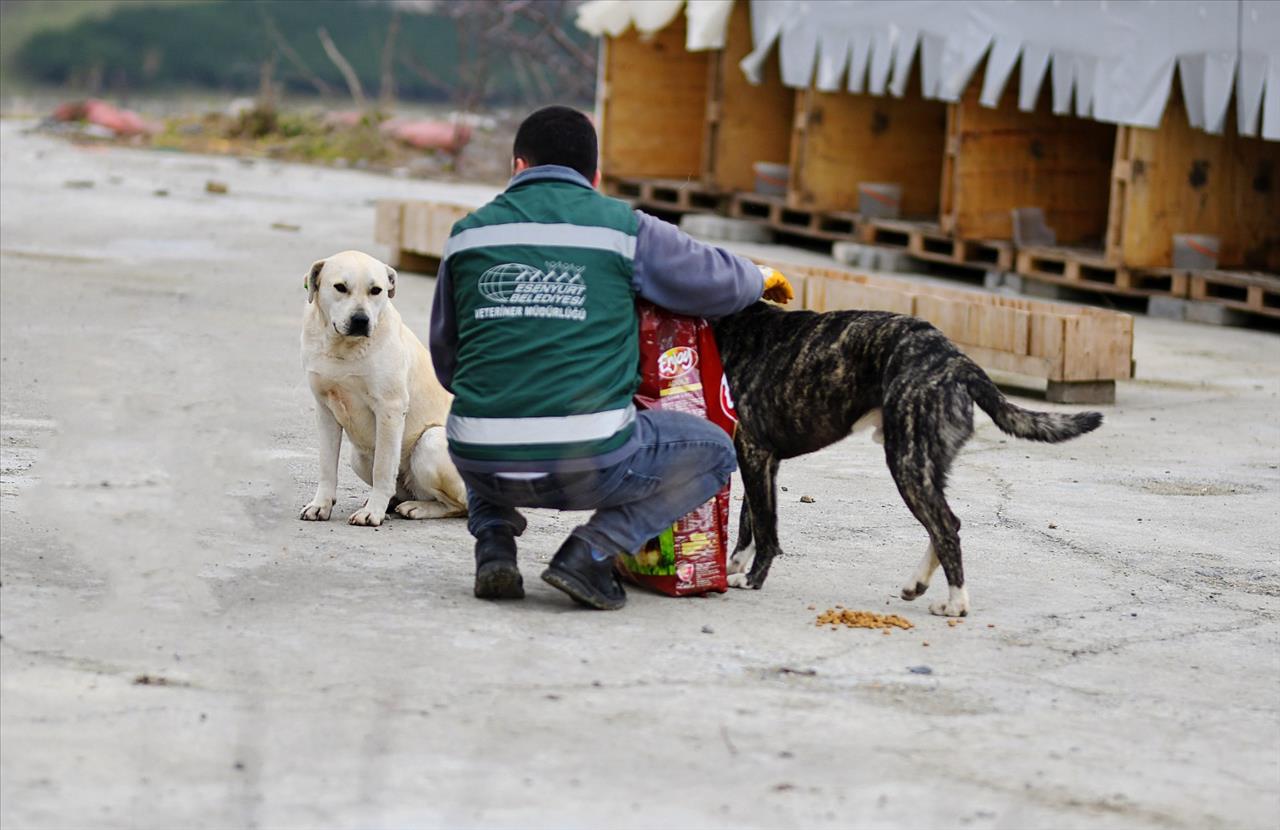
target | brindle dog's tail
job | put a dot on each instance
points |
(1050, 427)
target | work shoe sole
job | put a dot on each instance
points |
(581, 591)
(499, 580)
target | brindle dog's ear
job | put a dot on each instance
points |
(312, 280)
(391, 278)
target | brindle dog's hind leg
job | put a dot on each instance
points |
(919, 462)
(759, 527)
(744, 549)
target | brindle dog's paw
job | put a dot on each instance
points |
(913, 590)
(956, 605)
(740, 566)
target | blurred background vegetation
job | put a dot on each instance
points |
(467, 53)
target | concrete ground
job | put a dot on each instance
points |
(179, 650)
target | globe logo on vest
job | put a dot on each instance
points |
(501, 282)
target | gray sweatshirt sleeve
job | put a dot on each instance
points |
(444, 329)
(675, 271)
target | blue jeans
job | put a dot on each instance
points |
(681, 462)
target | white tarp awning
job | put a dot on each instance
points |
(707, 19)
(1112, 60)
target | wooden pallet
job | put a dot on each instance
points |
(1089, 270)
(926, 240)
(671, 195)
(1079, 351)
(830, 225)
(1254, 293)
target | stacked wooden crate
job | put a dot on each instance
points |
(1079, 351)
(681, 131)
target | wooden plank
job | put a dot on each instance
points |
(815, 292)
(841, 294)
(1001, 328)
(951, 316)
(745, 123)
(1005, 158)
(1183, 180)
(415, 232)
(654, 105)
(425, 226)
(843, 139)
(388, 222)
(1001, 361)
(1097, 348)
(1045, 340)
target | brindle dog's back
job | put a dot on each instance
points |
(800, 380)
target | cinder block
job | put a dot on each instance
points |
(850, 253)
(1214, 314)
(1004, 282)
(893, 261)
(721, 228)
(1167, 308)
(1087, 391)
(1195, 311)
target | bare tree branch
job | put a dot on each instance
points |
(425, 73)
(348, 74)
(299, 64)
(387, 87)
(546, 62)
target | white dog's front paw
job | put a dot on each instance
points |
(364, 517)
(317, 511)
(956, 605)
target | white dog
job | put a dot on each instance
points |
(372, 379)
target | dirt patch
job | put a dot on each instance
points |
(1187, 487)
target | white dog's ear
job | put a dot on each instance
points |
(391, 278)
(312, 280)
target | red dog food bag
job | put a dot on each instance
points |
(680, 371)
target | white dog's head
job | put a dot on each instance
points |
(352, 291)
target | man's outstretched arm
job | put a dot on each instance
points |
(677, 272)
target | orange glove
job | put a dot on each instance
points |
(776, 287)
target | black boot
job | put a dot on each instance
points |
(497, 576)
(590, 581)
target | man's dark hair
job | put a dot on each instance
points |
(558, 135)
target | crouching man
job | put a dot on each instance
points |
(534, 330)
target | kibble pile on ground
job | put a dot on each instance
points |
(838, 616)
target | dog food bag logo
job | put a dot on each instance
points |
(523, 290)
(676, 362)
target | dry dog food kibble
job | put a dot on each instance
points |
(839, 616)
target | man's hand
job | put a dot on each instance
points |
(776, 287)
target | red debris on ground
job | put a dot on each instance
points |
(94, 111)
(429, 135)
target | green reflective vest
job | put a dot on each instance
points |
(547, 351)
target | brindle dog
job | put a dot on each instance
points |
(803, 380)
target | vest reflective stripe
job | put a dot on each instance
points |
(537, 233)
(593, 426)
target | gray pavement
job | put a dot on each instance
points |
(179, 650)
